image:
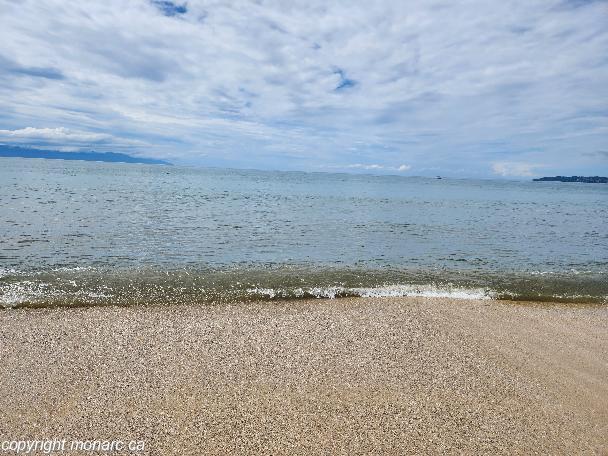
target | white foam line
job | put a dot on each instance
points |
(4, 272)
(378, 292)
(425, 291)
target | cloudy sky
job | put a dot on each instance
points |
(469, 88)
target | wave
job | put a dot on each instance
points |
(387, 291)
(84, 286)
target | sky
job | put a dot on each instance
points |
(472, 88)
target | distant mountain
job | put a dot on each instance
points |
(26, 152)
(585, 179)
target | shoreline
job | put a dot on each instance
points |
(551, 301)
(350, 375)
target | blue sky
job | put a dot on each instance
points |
(466, 89)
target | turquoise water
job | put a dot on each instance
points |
(82, 233)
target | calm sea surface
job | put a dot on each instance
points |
(82, 233)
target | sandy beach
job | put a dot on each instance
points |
(345, 376)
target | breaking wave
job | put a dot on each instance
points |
(90, 287)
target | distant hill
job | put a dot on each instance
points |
(585, 179)
(26, 152)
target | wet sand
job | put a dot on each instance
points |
(347, 376)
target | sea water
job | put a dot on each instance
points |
(88, 233)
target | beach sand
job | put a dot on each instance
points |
(344, 376)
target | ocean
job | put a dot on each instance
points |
(86, 233)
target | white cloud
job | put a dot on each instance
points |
(515, 169)
(434, 85)
(53, 134)
(376, 167)
(66, 139)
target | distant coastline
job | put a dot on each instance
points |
(584, 179)
(27, 152)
